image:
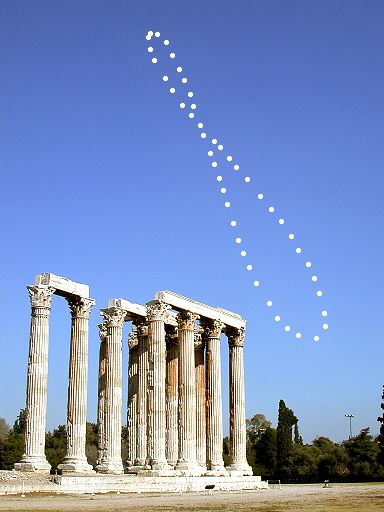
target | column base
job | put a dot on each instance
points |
(30, 464)
(136, 468)
(110, 467)
(159, 465)
(241, 469)
(192, 467)
(71, 465)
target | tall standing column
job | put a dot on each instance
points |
(201, 414)
(75, 459)
(172, 396)
(101, 393)
(34, 458)
(212, 331)
(156, 312)
(237, 426)
(111, 460)
(187, 392)
(142, 372)
(132, 397)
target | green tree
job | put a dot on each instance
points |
(363, 453)
(256, 425)
(12, 447)
(286, 420)
(333, 460)
(4, 429)
(381, 435)
(91, 447)
(265, 450)
(56, 446)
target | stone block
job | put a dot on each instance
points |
(62, 285)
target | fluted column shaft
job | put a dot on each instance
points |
(142, 371)
(101, 394)
(111, 460)
(132, 397)
(201, 414)
(237, 425)
(172, 396)
(75, 459)
(156, 311)
(34, 458)
(213, 329)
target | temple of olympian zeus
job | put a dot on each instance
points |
(174, 411)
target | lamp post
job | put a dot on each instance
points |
(350, 416)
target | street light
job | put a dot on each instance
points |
(350, 416)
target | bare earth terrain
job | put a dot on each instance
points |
(314, 498)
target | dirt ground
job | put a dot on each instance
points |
(313, 498)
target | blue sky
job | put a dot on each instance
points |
(107, 181)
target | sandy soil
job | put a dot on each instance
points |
(347, 497)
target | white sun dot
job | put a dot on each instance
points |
(298, 335)
(157, 34)
(314, 279)
(233, 223)
(316, 338)
(150, 33)
(165, 78)
(154, 60)
(236, 167)
(256, 283)
(200, 125)
(193, 106)
(220, 147)
(287, 328)
(229, 158)
(172, 55)
(223, 190)
(191, 115)
(210, 153)
(148, 37)
(277, 318)
(203, 135)
(271, 209)
(182, 105)
(150, 49)
(247, 179)
(172, 90)
(166, 42)
(214, 141)
(324, 313)
(214, 164)
(184, 80)
(269, 303)
(238, 240)
(219, 178)
(260, 196)
(298, 250)
(227, 204)
(281, 221)
(190, 94)
(179, 69)
(308, 264)
(249, 267)
(243, 253)
(291, 236)
(319, 293)
(325, 327)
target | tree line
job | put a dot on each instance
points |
(274, 453)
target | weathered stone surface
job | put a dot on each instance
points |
(62, 285)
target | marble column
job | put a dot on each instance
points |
(172, 396)
(187, 392)
(132, 397)
(212, 332)
(75, 459)
(237, 426)
(142, 371)
(156, 313)
(101, 393)
(111, 460)
(34, 458)
(201, 412)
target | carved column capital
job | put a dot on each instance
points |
(102, 331)
(212, 328)
(133, 340)
(171, 334)
(198, 340)
(236, 337)
(80, 307)
(113, 316)
(141, 326)
(156, 310)
(41, 296)
(186, 320)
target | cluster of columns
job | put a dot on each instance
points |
(174, 393)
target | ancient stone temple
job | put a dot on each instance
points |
(174, 410)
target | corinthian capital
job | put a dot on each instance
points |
(40, 296)
(133, 339)
(186, 320)
(80, 307)
(102, 331)
(114, 316)
(212, 328)
(141, 326)
(236, 337)
(156, 310)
